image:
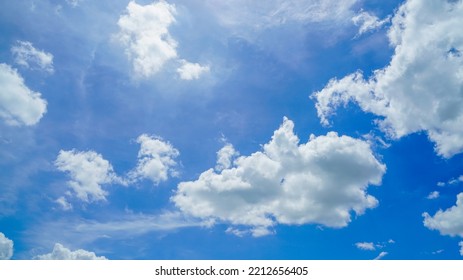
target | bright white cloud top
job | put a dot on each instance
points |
(6, 247)
(62, 253)
(191, 71)
(449, 221)
(144, 31)
(156, 160)
(420, 89)
(19, 105)
(88, 172)
(319, 182)
(25, 54)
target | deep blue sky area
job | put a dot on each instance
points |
(279, 129)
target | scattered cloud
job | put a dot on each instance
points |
(144, 32)
(156, 160)
(409, 95)
(433, 195)
(441, 184)
(319, 182)
(62, 253)
(368, 22)
(6, 247)
(461, 247)
(368, 246)
(191, 71)
(18, 104)
(447, 222)
(73, 3)
(266, 14)
(25, 54)
(88, 172)
(381, 255)
(63, 203)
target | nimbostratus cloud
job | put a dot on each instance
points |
(25, 54)
(19, 105)
(144, 31)
(88, 171)
(156, 160)
(6, 247)
(62, 253)
(320, 182)
(421, 88)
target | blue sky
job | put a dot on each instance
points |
(231, 129)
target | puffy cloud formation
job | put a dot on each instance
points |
(88, 172)
(321, 182)
(368, 22)
(422, 87)
(18, 104)
(191, 71)
(62, 253)
(447, 222)
(26, 55)
(6, 247)
(144, 32)
(155, 160)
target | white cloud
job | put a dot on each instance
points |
(155, 160)
(26, 55)
(88, 172)
(421, 88)
(319, 182)
(381, 255)
(62, 253)
(369, 246)
(225, 157)
(6, 247)
(18, 104)
(265, 14)
(368, 22)
(461, 247)
(63, 203)
(441, 184)
(144, 32)
(433, 195)
(73, 3)
(191, 71)
(447, 222)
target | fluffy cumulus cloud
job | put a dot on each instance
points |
(264, 14)
(421, 89)
(25, 54)
(156, 160)
(191, 71)
(368, 22)
(88, 172)
(6, 247)
(144, 30)
(321, 182)
(18, 104)
(62, 253)
(447, 222)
